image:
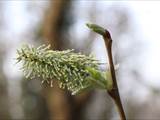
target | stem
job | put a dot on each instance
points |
(114, 92)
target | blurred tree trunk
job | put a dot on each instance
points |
(56, 23)
(4, 106)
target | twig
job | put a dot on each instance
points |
(114, 92)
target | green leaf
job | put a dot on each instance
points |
(102, 79)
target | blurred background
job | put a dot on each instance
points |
(135, 30)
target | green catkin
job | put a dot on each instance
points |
(74, 71)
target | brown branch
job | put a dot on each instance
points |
(114, 92)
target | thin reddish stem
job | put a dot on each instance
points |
(114, 92)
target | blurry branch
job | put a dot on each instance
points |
(114, 92)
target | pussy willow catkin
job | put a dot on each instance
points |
(74, 71)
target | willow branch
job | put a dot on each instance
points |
(114, 92)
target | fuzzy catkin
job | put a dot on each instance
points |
(74, 71)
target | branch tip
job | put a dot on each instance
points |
(96, 28)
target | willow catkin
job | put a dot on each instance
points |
(74, 71)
